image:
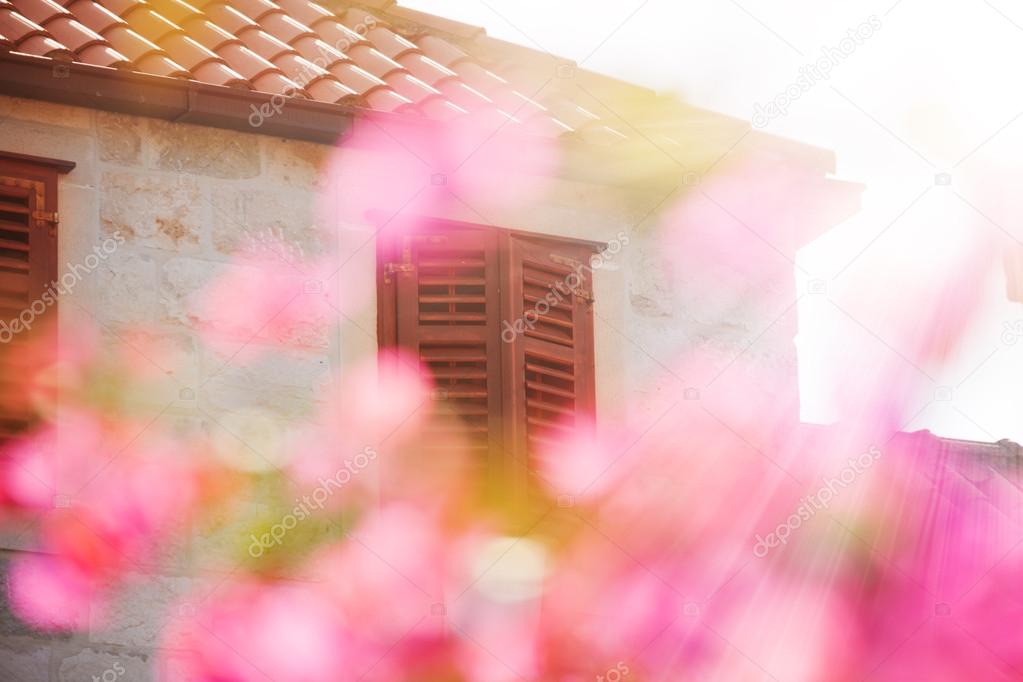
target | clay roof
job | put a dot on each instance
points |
(373, 54)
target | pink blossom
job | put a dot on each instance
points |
(278, 631)
(51, 593)
(577, 462)
(398, 169)
(42, 469)
(259, 300)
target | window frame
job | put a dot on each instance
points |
(38, 179)
(42, 172)
(512, 405)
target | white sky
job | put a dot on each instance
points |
(939, 79)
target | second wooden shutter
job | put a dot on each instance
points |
(549, 366)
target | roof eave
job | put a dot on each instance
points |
(172, 99)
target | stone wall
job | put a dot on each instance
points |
(183, 198)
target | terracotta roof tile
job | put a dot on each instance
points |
(41, 11)
(339, 36)
(300, 69)
(102, 55)
(373, 60)
(264, 44)
(228, 18)
(44, 46)
(355, 78)
(255, 9)
(188, 51)
(16, 27)
(119, 7)
(392, 58)
(284, 27)
(72, 34)
(175, 11)
(148, 23)
(330, 90)
(129, 43)
(463, 95)
(219, 73)
(161, 65)
(424, 68)
(319, 52)
(440, 109)
(277, 83)
(29, 37)
(441, 50)
(248, 63)
(410, 87)
(208, 34)
(305, 11)
(389, 42)
(518, 104)
(94, 15)
(484, 80)
(385, 99)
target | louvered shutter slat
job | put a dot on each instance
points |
(14, 207)
(15, 213)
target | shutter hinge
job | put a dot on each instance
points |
(391, 268)
(46, 216)
(585, 295)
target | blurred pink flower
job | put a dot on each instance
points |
(140, 499)
(578, 462)
(394, 556)
(414, 167)
(43, 468)
(51, 593)
(259, 299)
(379, 401)
(250, 631)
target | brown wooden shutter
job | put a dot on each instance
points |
(446, 304)
(549, 367)
(28, 263)
(453, 296)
